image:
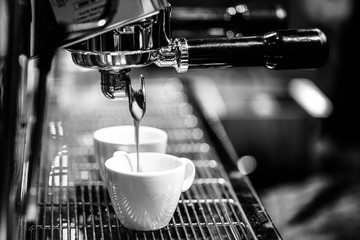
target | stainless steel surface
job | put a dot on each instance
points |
(72, 200)
(125, 12)
(134, 46)
(130, 46)
(115, 84)
(13, 115)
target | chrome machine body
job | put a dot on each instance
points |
(113, 37)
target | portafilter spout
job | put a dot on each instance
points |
(115, 83)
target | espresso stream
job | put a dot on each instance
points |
(137, 111)
(137, 125)
(137, 106)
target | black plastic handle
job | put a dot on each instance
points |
(283, 49)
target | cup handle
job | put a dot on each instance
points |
(189, 174)
(119, 153)
(125, 154)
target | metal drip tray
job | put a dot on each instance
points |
(77, 211)
(73, 202)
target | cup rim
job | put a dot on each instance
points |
(98, 134)
(148, 174)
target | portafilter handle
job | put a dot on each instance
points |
(283, 49)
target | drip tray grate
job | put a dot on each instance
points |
(73, 200)
(72, 211)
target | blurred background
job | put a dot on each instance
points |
(296, 132)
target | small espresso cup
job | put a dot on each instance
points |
(146, 200)
(122, 138)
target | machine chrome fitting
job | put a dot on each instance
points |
(175, 55)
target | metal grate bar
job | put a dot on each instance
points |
(222, 194)
(83, 212)
(208, 209)
(52, 212)
(107, 211)
(188, 217)
(223, 210)
(196, 217)
(76, 219)
(92, 213)
(180, 226)
(184, 202)
(99, 209)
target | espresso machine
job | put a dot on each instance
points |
(46, 195)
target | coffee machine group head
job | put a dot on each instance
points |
(135, 44)
(148, 40)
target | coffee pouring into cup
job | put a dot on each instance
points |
(146, 200)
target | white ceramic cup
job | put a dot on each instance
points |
(122, 138)
(146, 200)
